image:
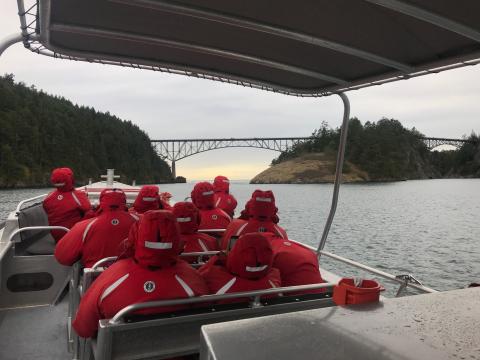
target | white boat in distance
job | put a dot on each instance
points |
(306, 48)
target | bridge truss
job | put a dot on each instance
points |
(178, 149)
(175, 150)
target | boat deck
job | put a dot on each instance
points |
(34, 332)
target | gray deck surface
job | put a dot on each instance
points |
(443, 325)
(34, 333)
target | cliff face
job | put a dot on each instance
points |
(308, 169)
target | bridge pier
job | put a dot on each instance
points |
(174, 170)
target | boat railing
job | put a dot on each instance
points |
(405, 280)
(29, 228)
(221, 231)
(253, 295)
(21, 203)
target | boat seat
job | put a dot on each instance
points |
(34, 242)
(163, 336)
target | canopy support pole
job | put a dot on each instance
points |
(338, 170)
(8, 41)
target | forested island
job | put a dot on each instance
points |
(39, 132)
(376, 151)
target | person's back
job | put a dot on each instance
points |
(100, 237)
(211, 217)
(247, 267)
(154, 273)
(65, 206)
(223, 199)
(260, 212)
(188, 220)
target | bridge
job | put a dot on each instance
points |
(178, 149)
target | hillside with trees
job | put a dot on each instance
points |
(39, 132)
(380, 151)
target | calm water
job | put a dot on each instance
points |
(429, 228)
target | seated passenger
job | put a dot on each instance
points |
(261, 212)
(223, 199)
(65, 206)
(247, 267)
(154, 273)
(298, 265)
(100, 237)
(147, 199)
(188, 219)
(210, 216)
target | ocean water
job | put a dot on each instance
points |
(428, 228)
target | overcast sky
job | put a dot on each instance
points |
(173, 106)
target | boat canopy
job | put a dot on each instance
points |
(303, 47)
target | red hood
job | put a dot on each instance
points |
(262, 205)
(251, 256)
(187, 216)
(221, 184)
(112, 199)
(157, 239)
(203, 196)
(147, 199)
(62, 179)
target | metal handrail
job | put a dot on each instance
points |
(211, 298)
(27, 228)
(378, 272)
(338, 171)
(201, 253)
(19, 206)
(102, 261)
(211, 230)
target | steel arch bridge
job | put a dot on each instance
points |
(178, 149)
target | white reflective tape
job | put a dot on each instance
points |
(218, 201)
(134, 216)
(112, 287)
(263, 199)
(149, 199)
(185, 286)
(184, 219)
(87, 229)
(255, 269)
(205, 193)
(202, 245)
(241, 229)
(158, 245)
(226, 287)
(76, 199)
(279, 231)
(59, 184)
(226, 181)
(271, 283)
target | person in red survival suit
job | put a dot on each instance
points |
(154, 273)
(188, 220)
(261, 212)
(247, 267)
(100, 237)
(203, 197)
(223, 199)
(65, 206)
(148, 198)
(298, 265)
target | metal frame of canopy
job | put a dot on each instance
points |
(35, 32)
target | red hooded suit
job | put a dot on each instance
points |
(223, 199)
(155, 273)
(147, 199)
(188, 220)
(65, 206)
(298, 265)
(247, 267)
(261, 211)
(211, 217)
(100, 237)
